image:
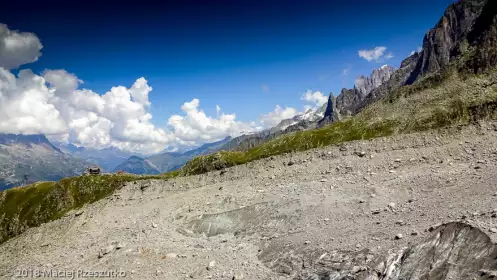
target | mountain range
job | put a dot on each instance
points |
(466, 33)
(35, 157)
(107, 158)
(167, 161)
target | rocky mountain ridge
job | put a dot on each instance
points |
(34, 156)
(467, 32)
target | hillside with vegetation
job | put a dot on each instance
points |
(449, 83)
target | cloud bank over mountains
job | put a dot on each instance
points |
(54, 103)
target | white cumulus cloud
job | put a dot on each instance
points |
(53, 103)
(17, 48)
(279, 113)
(196, 127)
(377, 54)
(317, 97)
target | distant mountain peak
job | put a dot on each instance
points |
(365, 85)
(27, 140)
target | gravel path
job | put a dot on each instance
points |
(271, 218)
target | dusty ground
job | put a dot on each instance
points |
(273, 218)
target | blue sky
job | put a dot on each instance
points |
(245, 56)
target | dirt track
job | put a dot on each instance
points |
(273, 218)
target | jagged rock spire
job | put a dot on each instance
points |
(331, 114)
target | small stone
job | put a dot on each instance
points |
(400, 223)
(495, 194)
(391, 205)
(372, 195)
(154, 225)
(392, 171)
(362, 201)
(477, 167)
(358, 246)
(324, 180)
(120, 245)
(79, 213)
(376, 211)
(433, 227)
(493, 230)
(211, 265)
(361, 154)
(290, 163)
(356, 269)
(170, 256)
(343, 148)
(414, 233)
(399, 236)
(105, 251)
(307, 242)
(397, 160)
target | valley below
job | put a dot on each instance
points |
(410, 206)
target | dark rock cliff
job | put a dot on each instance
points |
(467, 32)
(331, 114)
(349, 100)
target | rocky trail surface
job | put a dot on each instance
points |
(364, 210)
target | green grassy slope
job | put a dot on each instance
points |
(436, 101)
(29, 206)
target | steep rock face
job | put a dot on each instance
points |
(483, 38)
(397, 79)
(449, 38)
(467, 30)
(349, 101)
(331, 114)
(365, 85)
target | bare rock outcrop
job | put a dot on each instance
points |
(452, 251)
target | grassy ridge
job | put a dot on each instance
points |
(436, 101)
(32, 205)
